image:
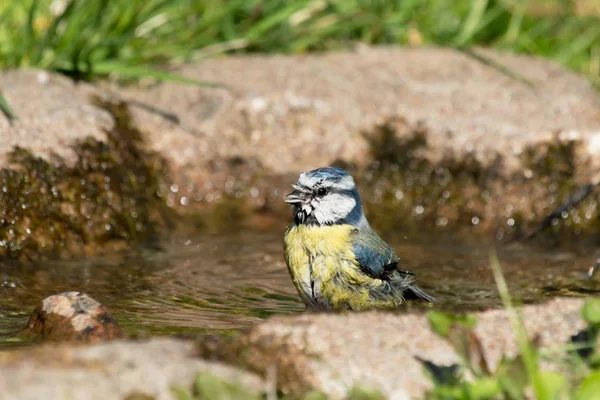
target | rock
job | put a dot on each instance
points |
(81, 181)
(72, 316)
(52, 112)
(497, 153)
(309, 111)
(378, 350)
(112, 370)
(462, 143)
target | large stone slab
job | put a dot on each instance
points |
(294, 113)
(335, 352)
(499, 151)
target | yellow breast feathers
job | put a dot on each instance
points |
(323, 266)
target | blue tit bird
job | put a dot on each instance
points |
(334, 257)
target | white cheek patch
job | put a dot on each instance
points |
(334, 208)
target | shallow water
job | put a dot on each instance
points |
(222, 283)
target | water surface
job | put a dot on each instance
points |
(222, 283)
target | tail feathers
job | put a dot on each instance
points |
(418, 293)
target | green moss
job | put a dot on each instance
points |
(107, 199)
(401, 187)
(207, 386)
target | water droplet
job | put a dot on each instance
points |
(510, 222)
(4, 189)
(23, 206)
(475, 220)
(399, 194)
(419, 209)
(174, 188)
(564, 214)
(229, 185)
(184, 201)
(107, 227)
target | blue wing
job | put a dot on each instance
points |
(374, 255)
(378, 260)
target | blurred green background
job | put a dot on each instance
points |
(133, 38)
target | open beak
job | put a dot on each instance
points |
(298, 196)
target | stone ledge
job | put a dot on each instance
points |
(377, 350)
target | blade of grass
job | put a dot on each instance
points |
(580, 44)
(516, 322)
(498, 67)
(545, 385)
(6, 109)
(516, 21)
(29, 34)
(268, 23)
(51, 32)
(472, 22)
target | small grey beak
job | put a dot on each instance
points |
(297, 196)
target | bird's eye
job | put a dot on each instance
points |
(321, 192)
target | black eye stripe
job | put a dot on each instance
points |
(328, 190)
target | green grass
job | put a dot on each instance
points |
(87, 38)
(132, 39)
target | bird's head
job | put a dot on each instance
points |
(325, 196)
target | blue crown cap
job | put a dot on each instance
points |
(327, 173)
